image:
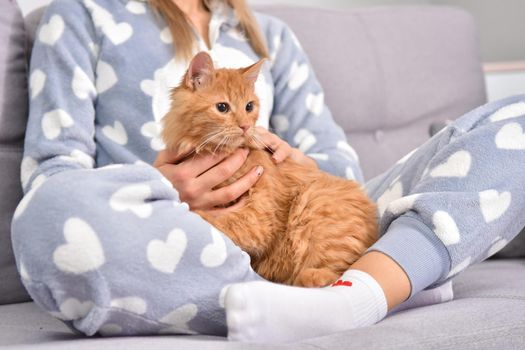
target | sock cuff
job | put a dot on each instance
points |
(370, 305)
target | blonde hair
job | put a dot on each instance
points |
(183, 38)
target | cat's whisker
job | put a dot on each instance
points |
(262, 143)
(209, 137)
(219, 144)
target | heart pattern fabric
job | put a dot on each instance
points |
(82, 251)
(164, 256)
(214, 254)
(116, 133)
(133, 198)
(457, 165)
(52, 31)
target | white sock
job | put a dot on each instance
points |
(269, 312)
(427, 297)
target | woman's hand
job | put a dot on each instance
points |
(281, 149)
(195, 178)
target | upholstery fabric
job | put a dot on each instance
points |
(13, 116)
(491, 296)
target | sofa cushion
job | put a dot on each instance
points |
(13, 118)
(487, 313)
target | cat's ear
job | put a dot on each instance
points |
(200, 72)
(252, 72)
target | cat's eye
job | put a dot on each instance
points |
(249, 107)
(222, 107)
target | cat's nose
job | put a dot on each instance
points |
(244, 128)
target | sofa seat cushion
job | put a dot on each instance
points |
(487, 313)
(13, 119)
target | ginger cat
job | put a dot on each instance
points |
(299, 225)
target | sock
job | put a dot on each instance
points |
(269, 312)
(427, 297)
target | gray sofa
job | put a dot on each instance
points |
(388, 74)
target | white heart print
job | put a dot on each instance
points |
(275, 48)
(117, 33)
(445, 228)
(37, 81)
(116, 133)
(106, 77)
(315, 103)
(391, 194)
(305, 139)
(510, 111)
(152, 130)
(133, 198)
(74, 309)
(53, 122)
(346, 148)
(494, 204)
(27, 169)
(79, 157)
(134, 305)
(165, 256)
(136, 7)
(280, 123)
(349, 173)
(214, 254)
(457, 165)
(178, 319)
(52, 31)
(82, 251)
(166, 37)
(298, 75)
(497, 245)
(81, 85)
(402, 205)
(319, 156)
(511, 137)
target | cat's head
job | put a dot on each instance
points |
(212, 109)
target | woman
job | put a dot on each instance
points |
(108, 243)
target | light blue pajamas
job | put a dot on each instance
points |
(102, 240)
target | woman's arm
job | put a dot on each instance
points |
(60, 130)
(300, 115)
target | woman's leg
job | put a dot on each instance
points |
(112, 250)
(453, 202)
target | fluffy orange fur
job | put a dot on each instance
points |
(300, 226)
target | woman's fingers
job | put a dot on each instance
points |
(223, 171)
(195, 166)
(281, 149)
(227, 194)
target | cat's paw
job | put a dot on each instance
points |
(312, 277)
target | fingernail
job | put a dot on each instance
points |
(274, 158)
(246, 151)
(259, 170)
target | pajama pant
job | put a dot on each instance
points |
(113, 250)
